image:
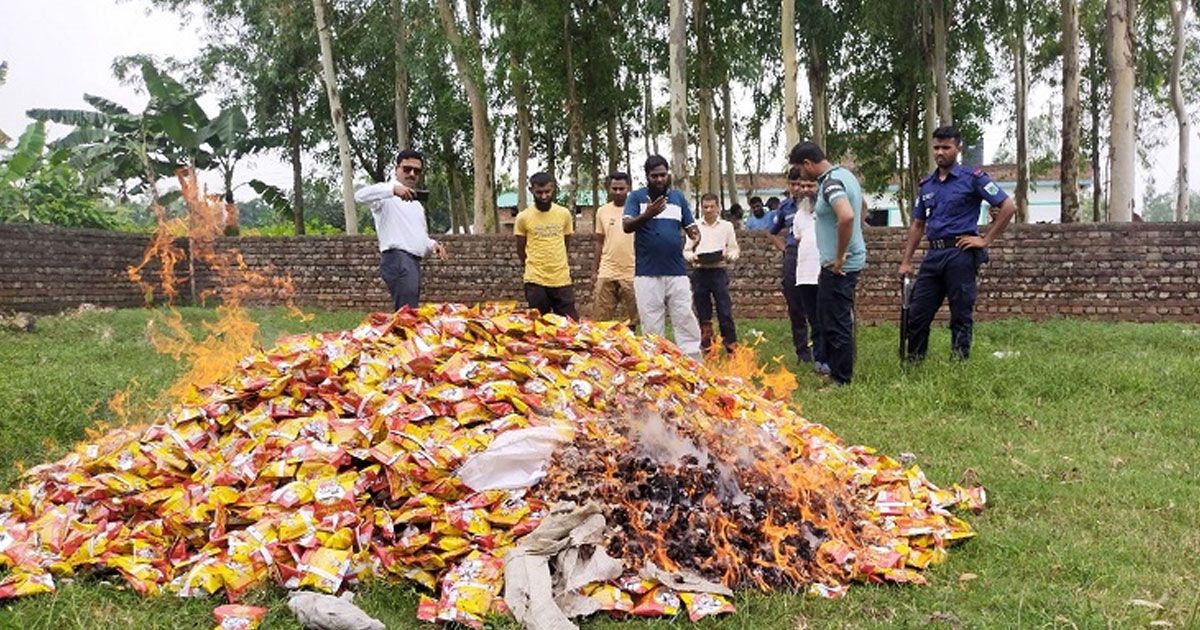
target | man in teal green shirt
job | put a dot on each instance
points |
(843, 254)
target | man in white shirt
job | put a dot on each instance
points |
(403, 233)
(710, 281)
(803, 193)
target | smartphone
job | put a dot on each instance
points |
(655, 196)
(421, 195)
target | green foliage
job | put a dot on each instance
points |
(26, 155)
(312, 227)
(274, 197)
(43, 188)
(1161, 206)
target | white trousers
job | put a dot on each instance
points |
(658, 296)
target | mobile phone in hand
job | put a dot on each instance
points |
(421, 195)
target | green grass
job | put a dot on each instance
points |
(1087, 440)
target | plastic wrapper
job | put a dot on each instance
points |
(238, 617)
(701, 605)
(659, 601)
(337, 457)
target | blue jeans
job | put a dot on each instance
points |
(835, 316)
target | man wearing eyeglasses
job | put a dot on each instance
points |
(403, 233)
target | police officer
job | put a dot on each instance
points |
(947, 212)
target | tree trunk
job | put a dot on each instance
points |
(787, 28)
(594, 168)
(678, 71)
(401, 91)
(707, 155)
(1069, 167)
(1021, 89)
(628, 158)
(338, 117)
(929, 87)
(524, 126)
(730, 173)
(945, 114)
(1179, 9)
(1094, 99)
(706, 129)
(455, 195)
(574, 115)
(1122, 144)
(470, 73)
(614, 149)
(914, 126)
(902, 191)
(818, 89)
(294, 154)
(650, 135)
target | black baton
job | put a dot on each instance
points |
(906, 285)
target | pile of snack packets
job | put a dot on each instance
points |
(330, 459)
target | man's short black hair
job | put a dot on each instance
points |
(540, 178)
(617, 176)
(755, 199)
(655, 161)
(773, 199)
(948, 132)
(709, 197)
(795, 173)
(806, 151)
(409, 154)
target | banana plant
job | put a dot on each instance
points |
(110, 143)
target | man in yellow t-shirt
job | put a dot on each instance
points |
(614, 298)
(542, 230)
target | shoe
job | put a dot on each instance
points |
(821, 368)
(804, 357)
(829, 384)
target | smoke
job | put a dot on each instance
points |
(659, 442)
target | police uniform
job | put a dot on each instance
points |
(950, 209)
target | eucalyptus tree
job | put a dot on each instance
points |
(337, 115)
(1069, 160)
(467, 54)
(1121, 18)
(1179, 31)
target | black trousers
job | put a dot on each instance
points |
(808, 300)
(709, 286)
(402, 273)
(558, 300)
(800, 319)
(945, 274)
(835, 316)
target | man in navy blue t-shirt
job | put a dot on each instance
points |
(781, 224)
(658, 216)
(947, 212)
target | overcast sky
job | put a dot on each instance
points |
(57, 50)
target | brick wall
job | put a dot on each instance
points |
(45, 269)
(1131, 272)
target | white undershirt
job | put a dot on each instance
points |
(808, 259)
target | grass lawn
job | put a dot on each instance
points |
(1086, 436)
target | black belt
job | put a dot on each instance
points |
(946, 243)
(402, 251)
